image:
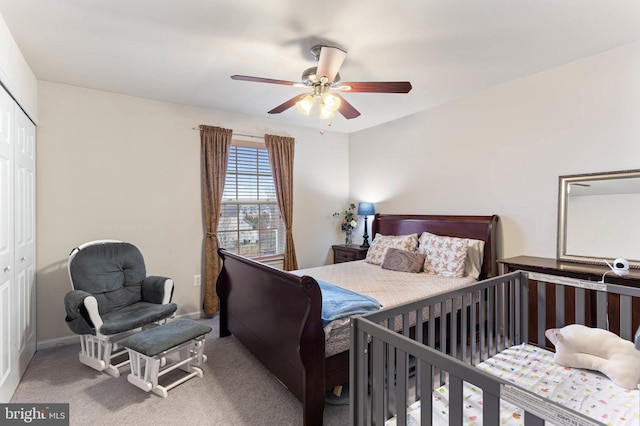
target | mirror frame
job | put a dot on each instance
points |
(562, 213)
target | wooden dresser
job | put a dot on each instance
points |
(348, 253)
(580, 271)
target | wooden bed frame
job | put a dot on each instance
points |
(276, 314)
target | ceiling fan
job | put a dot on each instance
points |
(324, 80)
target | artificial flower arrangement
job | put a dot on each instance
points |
(349, 221)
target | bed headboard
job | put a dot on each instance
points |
(475, 227)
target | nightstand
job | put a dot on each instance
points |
(348, 253)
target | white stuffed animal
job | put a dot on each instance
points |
(597, 349)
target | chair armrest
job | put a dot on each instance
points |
(82, 312)
(157, 290)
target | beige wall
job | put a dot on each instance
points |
(501, 151)
(113, 166)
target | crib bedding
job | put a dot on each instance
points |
(530, 367)
(389, 288)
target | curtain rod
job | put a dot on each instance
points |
(236, 134)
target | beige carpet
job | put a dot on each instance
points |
(235, 390)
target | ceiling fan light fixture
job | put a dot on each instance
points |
(330, 102)
(329, 105)
(326, 114)
(305, 104)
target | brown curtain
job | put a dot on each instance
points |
(281, 158)
(215, 143)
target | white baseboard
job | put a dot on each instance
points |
(75, 339)
(56, 343)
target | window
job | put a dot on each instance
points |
(250, 222)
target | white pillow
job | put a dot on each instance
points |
(445, 255)
(578, 346)
(475, 254)
(381, 243)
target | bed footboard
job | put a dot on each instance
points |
(276, 316)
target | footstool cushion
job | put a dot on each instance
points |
(150, 349)
(152, 341)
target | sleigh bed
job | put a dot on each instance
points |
(490, 370)
(277, 314)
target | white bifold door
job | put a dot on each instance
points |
(17, 244)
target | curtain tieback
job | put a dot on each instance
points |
(211, 234)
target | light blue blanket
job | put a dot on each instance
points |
(338, 302)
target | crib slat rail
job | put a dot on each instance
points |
(594, 304)
(404, 354)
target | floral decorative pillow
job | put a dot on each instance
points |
(382, 243)
(403, 261)
(445, 255)
(475, 254)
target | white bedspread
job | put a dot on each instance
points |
(390, 288)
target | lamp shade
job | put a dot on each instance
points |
(305, 104)
(325, 114)
(330, 102)
(366, 209)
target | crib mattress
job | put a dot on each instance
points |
(532, 368)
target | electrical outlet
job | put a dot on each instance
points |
(196, 280)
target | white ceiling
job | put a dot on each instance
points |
(184, 51)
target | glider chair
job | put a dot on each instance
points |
(112, 298)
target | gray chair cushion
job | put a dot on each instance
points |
(112, 272)
(77, 316)
(153, 289)
(134, 316)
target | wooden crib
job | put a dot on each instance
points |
(400, 372)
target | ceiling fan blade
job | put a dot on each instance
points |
(376, 87)
(288, 104)
(265, 80)
(346, 109)
(329, 62)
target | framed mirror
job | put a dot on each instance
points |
(599, 217)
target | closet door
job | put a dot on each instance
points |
(24, 235)
(9, 374)
(17, 244)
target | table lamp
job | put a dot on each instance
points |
(366, 209)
